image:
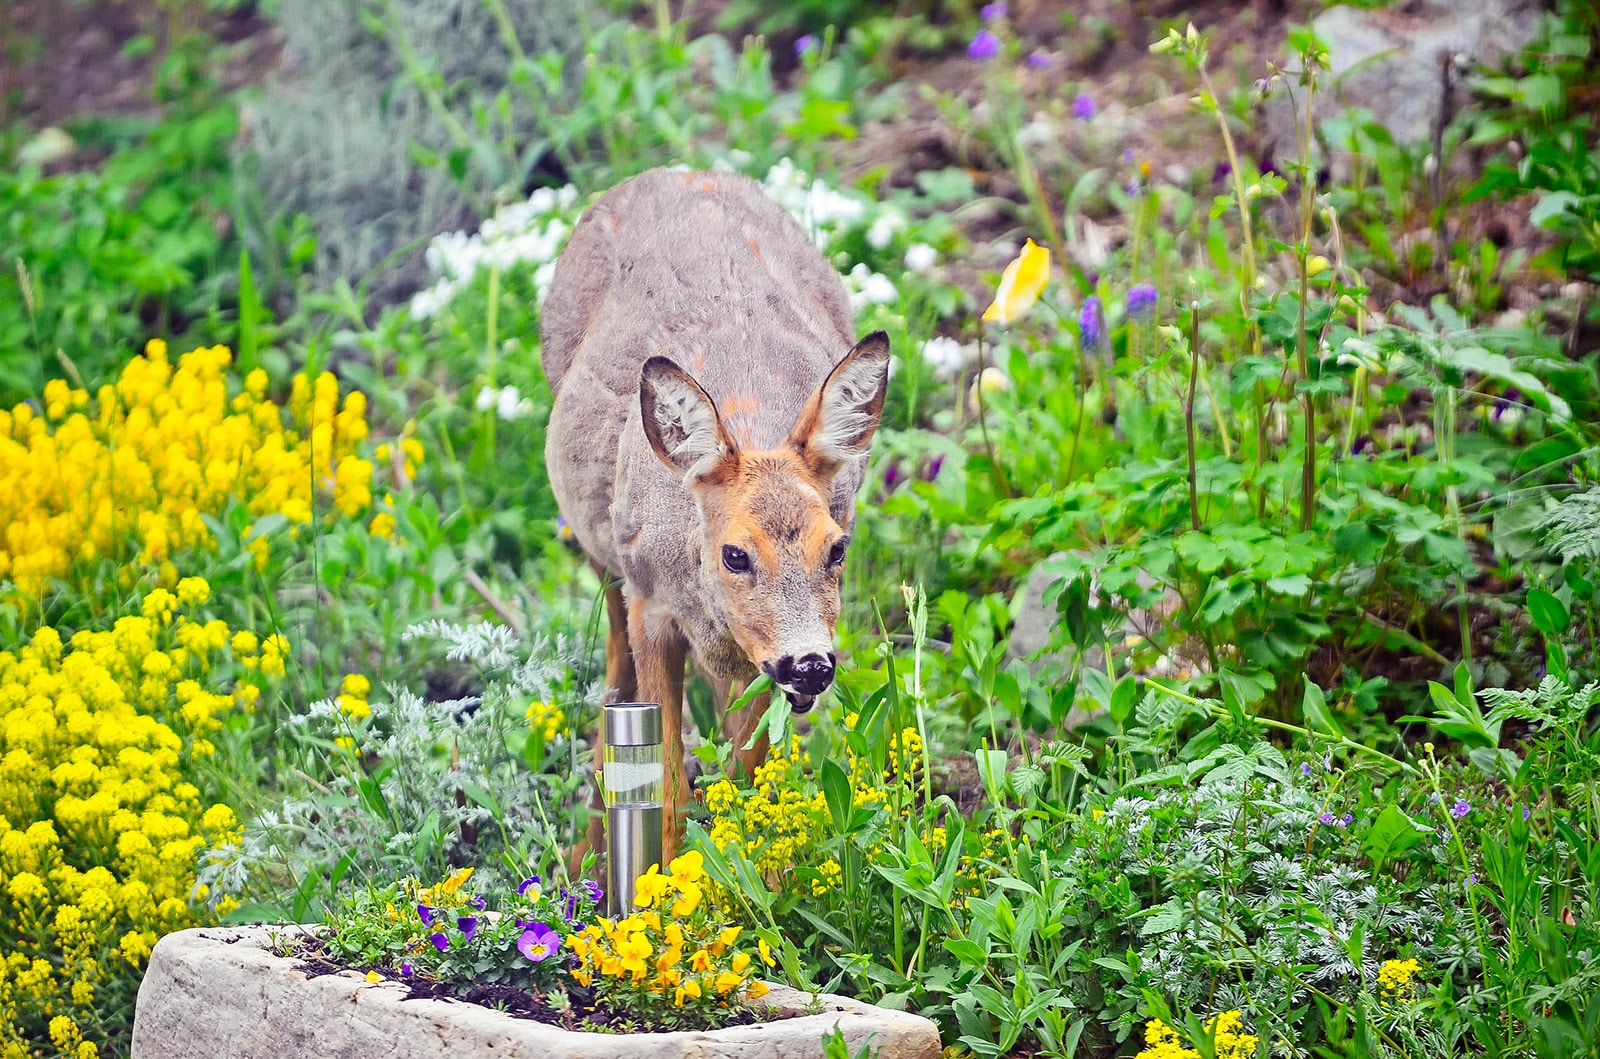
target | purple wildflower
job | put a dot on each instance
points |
(1089, 322)
(1305, 769)
(426, 914)
(891, 474)
(468, 926)
(1472, 878)
(1526, 812)
(538, 942)
(529, 884)
(985, 45)
(1461, 808)
(934, 467)
(1347, 819)
(991, 12)
(440, 942)
(1127, 155)
(1039, 59)
(1083, 107)
(805, 44)
(1328, 818)
(1142, 298)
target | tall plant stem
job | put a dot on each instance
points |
(1188, 413)
(1308, 195)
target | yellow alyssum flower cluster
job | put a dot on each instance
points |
(777, 823)
(1397, 980)
(782, 823)
(676, 947)
(546, 718)
(130, 474)
(99, 829)
(1226, 1031)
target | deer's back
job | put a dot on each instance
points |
(704, 269)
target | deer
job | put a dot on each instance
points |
(712, 421)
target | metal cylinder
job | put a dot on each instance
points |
(633, 836)
(631, 780)
(632, 723)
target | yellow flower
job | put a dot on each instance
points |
(1020, 285)
(756, 989)
(689, 989)
(650, 887)
(374, 976)
(727, 982)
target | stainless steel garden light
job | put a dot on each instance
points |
(631, 779)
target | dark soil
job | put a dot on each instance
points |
(581, 1013)
(63, 60)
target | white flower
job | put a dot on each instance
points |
(920, 257)
(879, 289)
(881, 234)
(943, 354)
(507, 402)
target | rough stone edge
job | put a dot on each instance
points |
(206, 990)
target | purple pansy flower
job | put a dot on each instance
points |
(468, 926)
(1083, 107)
(805, 44)
(479, 903)
(1142, 298)
(426, 914)
(990, 12)
(538, 942)
(440, 942)
(529, 884)
(1039, 59)
(985, 45)
(405, 970)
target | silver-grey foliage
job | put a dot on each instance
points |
(342, 134)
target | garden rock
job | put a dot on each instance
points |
(1389, 60)
(218, 991)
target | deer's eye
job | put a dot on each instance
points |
(735, 559)
(836, 553)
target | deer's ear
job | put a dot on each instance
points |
(682, 424)
(838, 421)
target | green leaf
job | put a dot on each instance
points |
(1392, 834)
(1549, 614)
(967, 951)
(1315, 707)
(836, 789)
(249, 316)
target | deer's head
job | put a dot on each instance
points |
(771, 550)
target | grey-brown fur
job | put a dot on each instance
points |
(663, 265)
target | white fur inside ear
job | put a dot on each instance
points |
(688, 426)
(848, 413)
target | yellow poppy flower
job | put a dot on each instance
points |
(1020, 285)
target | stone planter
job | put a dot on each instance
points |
(219, 992)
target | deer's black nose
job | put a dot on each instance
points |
(809, 674)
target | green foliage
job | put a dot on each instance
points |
(97, 260)
(1555, 138)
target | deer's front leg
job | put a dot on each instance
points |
(659, 651)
